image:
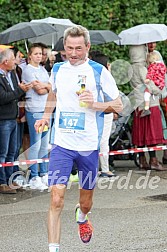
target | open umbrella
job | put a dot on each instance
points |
(58, 23)
(142, 34)
(24, 30)
(98, 37)
(54, 21)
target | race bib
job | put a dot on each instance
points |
(72, 121)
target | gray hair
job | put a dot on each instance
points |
(77, 31)
(5, 55)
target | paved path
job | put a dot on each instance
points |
(128, 215)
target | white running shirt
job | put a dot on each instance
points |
(79, 128)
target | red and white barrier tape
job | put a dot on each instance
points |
(136, 150)
(112, 153)
(25, 162)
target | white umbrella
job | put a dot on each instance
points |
(58, 23)
(142, 34)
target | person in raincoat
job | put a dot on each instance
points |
(146, 131)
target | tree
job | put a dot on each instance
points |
(114, 15)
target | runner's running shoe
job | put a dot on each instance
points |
(85, 229)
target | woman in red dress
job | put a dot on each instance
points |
(147, 130)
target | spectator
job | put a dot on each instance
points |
(163, 100)
(59, 47)
(21, 110)
(10, 93)
(108, 119)
(119, 124)
(44, 54)
(36, 98)
(147, 131)
(57, 55)
(26, 138)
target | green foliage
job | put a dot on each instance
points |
(113, 15)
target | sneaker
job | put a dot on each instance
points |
(74, 178)
(108, 174)
(85, 229)
(36, 183)
(44, 179)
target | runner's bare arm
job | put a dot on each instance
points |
(111, 106)
(50, 105)
(108, 107)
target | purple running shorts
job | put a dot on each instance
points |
(61, 163)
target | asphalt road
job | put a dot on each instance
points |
(129, 214)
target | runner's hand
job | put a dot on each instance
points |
(87, 97)
(40, 124)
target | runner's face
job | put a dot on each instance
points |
(76, 50)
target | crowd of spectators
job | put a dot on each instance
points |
(23, 92)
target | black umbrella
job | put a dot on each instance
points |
(98, 37)
(25, 30)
